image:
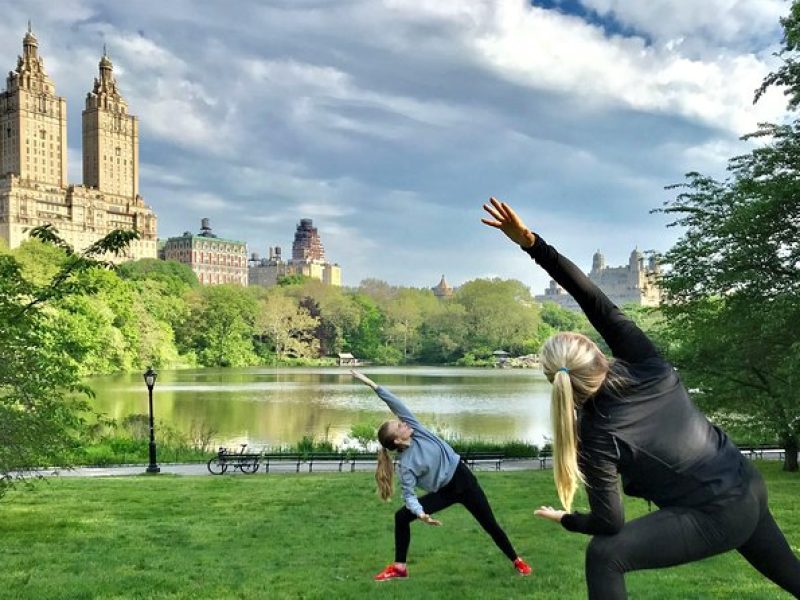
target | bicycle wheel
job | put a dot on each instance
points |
(249, 467)
(217, 467)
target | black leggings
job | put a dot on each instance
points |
(463, 488)
(673, 536)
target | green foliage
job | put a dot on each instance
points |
(734, 284)
(366, 339)
(154, 313)
(126, 442)
(500, 314)
(310, 444)
(42, 400)
(220, 325)
(289, 329)
(480, 358)
(365, 434)
(445, 337)
(174, 275)
(510, 448)
(294, 279)
(788, 74)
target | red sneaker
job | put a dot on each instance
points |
(522, 567)
(391, 572)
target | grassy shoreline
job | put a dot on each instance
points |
(317, 536)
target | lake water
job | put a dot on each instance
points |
(268, 407)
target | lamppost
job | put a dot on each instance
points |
(150, 380)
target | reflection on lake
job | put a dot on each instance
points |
(267, 406)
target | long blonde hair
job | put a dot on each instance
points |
(577, 368)
(384, 473)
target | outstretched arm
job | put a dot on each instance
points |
(625, 339)
(408, 483)
(393, 402)
(364, 379)
(597, 460)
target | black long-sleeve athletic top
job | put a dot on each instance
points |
(650, 434)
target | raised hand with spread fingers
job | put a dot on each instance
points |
(506, 220)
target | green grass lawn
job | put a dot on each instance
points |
(317, 536)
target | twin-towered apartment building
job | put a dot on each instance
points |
(34, 189)
(33, 161)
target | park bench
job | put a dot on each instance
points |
(271, 458)
(763, 450)
(474, 458)
(311, 458)
(357, 459)
(323, 457)
(249, 462)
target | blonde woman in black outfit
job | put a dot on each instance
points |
(631, 417)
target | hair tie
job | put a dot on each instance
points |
(565, 369)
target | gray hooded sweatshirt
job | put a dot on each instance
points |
(428, 462)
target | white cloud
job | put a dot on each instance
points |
(735, 22)
(546, 50)
(160, 175)
(206, 201)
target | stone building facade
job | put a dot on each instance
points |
(634, 283)
(33, 161)
(308, 259)
(266, 271)
(214, 260)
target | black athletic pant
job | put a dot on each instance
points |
(464, 489)
(675, 535)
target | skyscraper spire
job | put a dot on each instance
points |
(110, 137)
(30, 44)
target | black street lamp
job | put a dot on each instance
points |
(150, 380)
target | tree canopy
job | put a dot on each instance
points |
(42, 399)
(733, 309)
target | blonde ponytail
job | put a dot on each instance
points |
(384, 475)
(577, 369)
(566, 473)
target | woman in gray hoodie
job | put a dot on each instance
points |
(428, 462)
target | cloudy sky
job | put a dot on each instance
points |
(389, 122)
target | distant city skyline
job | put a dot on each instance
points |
(389, 123)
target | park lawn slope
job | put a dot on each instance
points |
(317, 536)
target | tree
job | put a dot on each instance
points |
(289, 327)
(733, 289)
(42, 399)
(366, 339)
(405, 314)
(444, 334)
(293, 279)
(177, 276)
(501, 314)
(333, 307)
(221, 325)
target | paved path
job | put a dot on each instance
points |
(280, 467)
(290, 467)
